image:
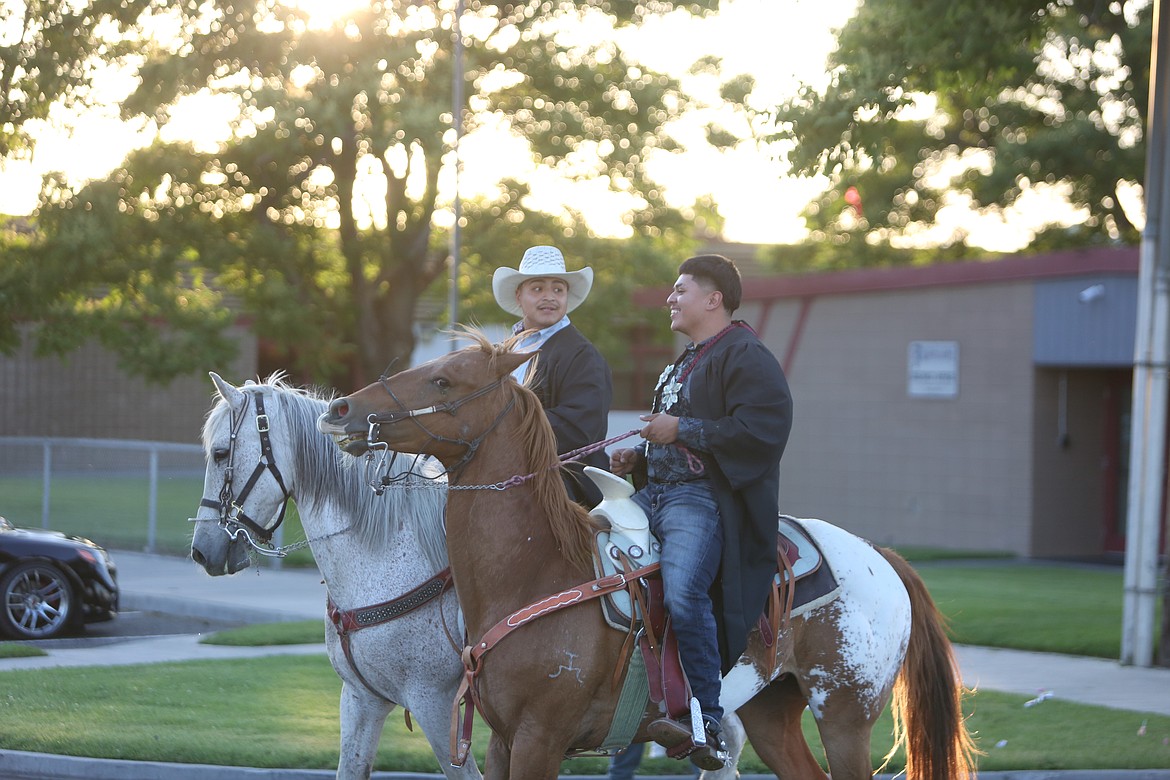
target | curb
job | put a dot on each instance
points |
(18, 765)
(131, 601)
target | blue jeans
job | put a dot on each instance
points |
(624, 765)
(685, 518)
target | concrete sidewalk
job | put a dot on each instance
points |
(176, 586)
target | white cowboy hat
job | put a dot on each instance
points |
(540, 261)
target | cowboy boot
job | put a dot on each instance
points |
(676, 736)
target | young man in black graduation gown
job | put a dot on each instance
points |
(570, 376)
(711, 468)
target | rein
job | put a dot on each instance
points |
(232, 517)
(380, 485)
(598, 445)
(376, 420)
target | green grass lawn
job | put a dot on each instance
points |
(114, 510)
(1049, 608)
(20, 650)
(111, 510)
(283, 712)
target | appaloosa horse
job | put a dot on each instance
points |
(519, 548)
(390, 617)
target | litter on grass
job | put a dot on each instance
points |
(1043, 695)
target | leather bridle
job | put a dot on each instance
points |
(232, 517)
(376, 420)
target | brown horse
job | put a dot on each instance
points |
(514, 538)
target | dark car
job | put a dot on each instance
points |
(52, 583)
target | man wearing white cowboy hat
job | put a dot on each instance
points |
(570, 376)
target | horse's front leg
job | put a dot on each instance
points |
(362, 718)
(497, 759)
(535, 756)
(524, 759)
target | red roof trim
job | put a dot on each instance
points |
(1075, 262)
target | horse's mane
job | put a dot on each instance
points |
(571, 525)
(325, 474)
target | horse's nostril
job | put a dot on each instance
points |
(197, 556)
(339, 408)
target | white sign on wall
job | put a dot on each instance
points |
(933, 369)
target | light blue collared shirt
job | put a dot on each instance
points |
(533, 342)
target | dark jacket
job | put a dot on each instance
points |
(575, 386)
(739, 393)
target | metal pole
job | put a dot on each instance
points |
(46, 481)
(152, 510)
(1148, 417)
(277, 541)
(457, 120)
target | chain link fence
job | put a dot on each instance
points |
(131, 495)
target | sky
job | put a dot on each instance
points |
(781, 43)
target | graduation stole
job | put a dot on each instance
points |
(666, 392)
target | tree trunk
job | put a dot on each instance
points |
(394, 339)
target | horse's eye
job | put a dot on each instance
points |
(442, 383)
(219, 454)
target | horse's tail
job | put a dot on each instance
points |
(928, 693)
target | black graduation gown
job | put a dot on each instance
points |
(575, 386)
(741, 395)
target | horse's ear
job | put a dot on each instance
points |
(228, 393)
(508, 362)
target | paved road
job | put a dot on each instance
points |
(131, 624)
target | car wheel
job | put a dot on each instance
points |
(37, 601)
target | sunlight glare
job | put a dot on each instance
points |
(779, 43)
(326, 13)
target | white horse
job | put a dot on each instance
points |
(374, 552)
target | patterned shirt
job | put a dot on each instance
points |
(679, 461)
